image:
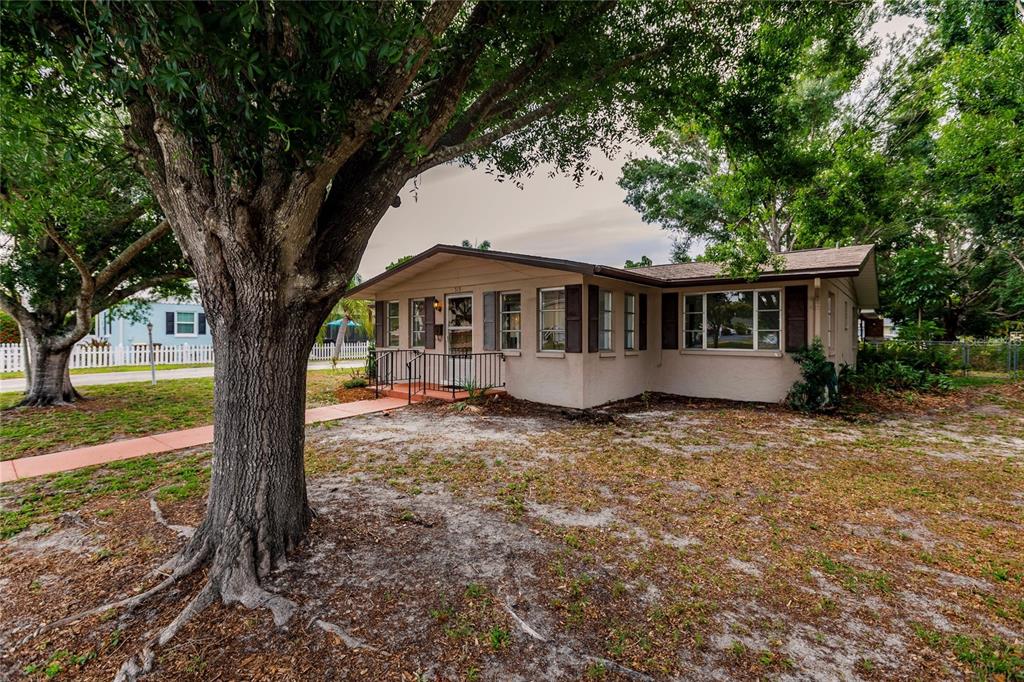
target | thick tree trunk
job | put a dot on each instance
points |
(49, 380)
(257, 510)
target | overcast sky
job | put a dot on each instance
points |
(549, 217)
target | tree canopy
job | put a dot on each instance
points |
(923, 159)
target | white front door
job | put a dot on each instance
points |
(459, 334)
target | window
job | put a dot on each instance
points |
(417, 323)
(551, 327)
(604, 327)
(393, 341)
(629, 326)
(460, 323)
(846, 316)
(184, 324)
(734, 320)
(693, 321)
(511, 321)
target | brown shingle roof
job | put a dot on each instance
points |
(809, 260)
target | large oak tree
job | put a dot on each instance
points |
(79, 230)
(276, 136)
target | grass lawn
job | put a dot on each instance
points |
(126, 411)
(685, 539)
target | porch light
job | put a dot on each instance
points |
(437, 304)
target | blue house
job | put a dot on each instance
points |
(175, 323)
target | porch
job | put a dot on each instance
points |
(416, 374)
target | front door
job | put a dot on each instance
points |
(459, 330)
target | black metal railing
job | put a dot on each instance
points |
(423, 371)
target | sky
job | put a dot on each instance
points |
(550, 216)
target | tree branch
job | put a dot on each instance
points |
(85, 293)
(124, 259)
(118, 295)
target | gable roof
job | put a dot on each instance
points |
(844, 261)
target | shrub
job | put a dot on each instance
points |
(356, 382)
(818, 388)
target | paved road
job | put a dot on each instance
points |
(103, 378)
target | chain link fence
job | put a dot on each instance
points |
(993, 356)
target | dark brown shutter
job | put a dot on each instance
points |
(202, 324)
(428, 322)
(593, 316)
(670, 320)
(380, 322)
(490, 320)
(796, 317)
(642, 325)
(169, 319)
(573, 318)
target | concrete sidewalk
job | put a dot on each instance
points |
(136, 376)
(54, 462)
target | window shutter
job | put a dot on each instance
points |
(642, 324)
(670, 320)
(380, 321)
(428, 322)
(490, 320)
(593, 315)
(573, 318)
(796, 317)
(169, 317)
(202, 324)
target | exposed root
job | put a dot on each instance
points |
(184, 531)
(142, 663)
(180, 571)
(350, 641)
(608, 664)
(523, 625)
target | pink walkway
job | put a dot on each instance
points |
(54, 462)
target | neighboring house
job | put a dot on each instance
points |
(578, 335)
(174, 324)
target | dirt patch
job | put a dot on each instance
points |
(683, 540)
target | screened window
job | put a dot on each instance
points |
(693, 321)
(511, 321)
(629, 326)
(184, 324)
(604, 332)
(393, 341)
(734, 320)
(551, 323)
(417, 323)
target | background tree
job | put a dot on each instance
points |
(485, 245)
(276, 136)
(80, 232)
(925, 158)
(643, 262)
(398, 261)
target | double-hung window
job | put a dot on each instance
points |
(733, 320)
(417, 323)
(629, 322)
(551, 319)
(393, 341)
(511, 321)
(604, 332)
(184, 324)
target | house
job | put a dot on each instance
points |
(174, 323)
(576, 334)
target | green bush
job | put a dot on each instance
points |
(818, 388)
(8, 329)
(892, 375)
(356, 382)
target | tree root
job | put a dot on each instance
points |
(180, 571)
(184, 531)
(350, 641)
(142, 663)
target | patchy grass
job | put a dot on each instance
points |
(127, 410)
(686, 539)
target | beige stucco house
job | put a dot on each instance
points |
(578, 335)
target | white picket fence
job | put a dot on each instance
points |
(87, 356)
